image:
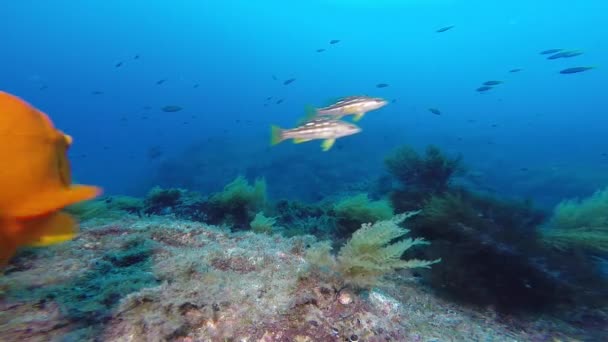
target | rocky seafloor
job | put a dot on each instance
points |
(161, 279)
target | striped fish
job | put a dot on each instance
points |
(325, 129)
(352, 105)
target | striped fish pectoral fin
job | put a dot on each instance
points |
(300, 140)
(358, 116)
(327, 144)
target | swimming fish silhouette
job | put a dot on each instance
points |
(35, 179)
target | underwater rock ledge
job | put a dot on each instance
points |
(158, 279)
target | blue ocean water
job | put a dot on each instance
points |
(184, 93)
(540, 134)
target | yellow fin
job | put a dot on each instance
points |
(275, 135)
(327, 144)
(49, 230)
(310, 112)
(358, 117)
(300, 140)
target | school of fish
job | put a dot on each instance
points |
(325, 123)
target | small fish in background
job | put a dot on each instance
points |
(556, 56)
(573, 53)
(515, 70)
(575, 70)
(324, 129)
(136, 57)
(445, 28)
(435, 111)
(352, 105)
(269, 98)
(171, 109)
(154, 152)
(484, 89)
(279, 101)
(32, 202)
(118, 65)
(382, 85)
(97, 92)
(274, 78)
(320, 50)
(195, 86)
(492, 83)
(334, 41)
(43, 87)
(159, 82)
(550, 51)
(289, 81)
(566, 54)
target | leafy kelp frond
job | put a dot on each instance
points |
(319, 254)
(369, 254)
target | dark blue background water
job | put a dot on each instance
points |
(540, 134)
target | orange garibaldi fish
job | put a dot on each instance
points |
(35, 180)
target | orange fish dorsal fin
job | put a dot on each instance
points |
(47, 202)
(49, 230)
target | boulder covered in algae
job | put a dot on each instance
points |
(158, 279)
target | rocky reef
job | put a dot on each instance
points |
(161, 279)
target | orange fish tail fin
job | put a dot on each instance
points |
(49, 230)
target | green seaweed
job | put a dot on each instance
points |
(237, 203)
(430, 172)
(158, 199)
(262, 224)
(370, 253)
(106, 208)
(351, 212)
(579, 224)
